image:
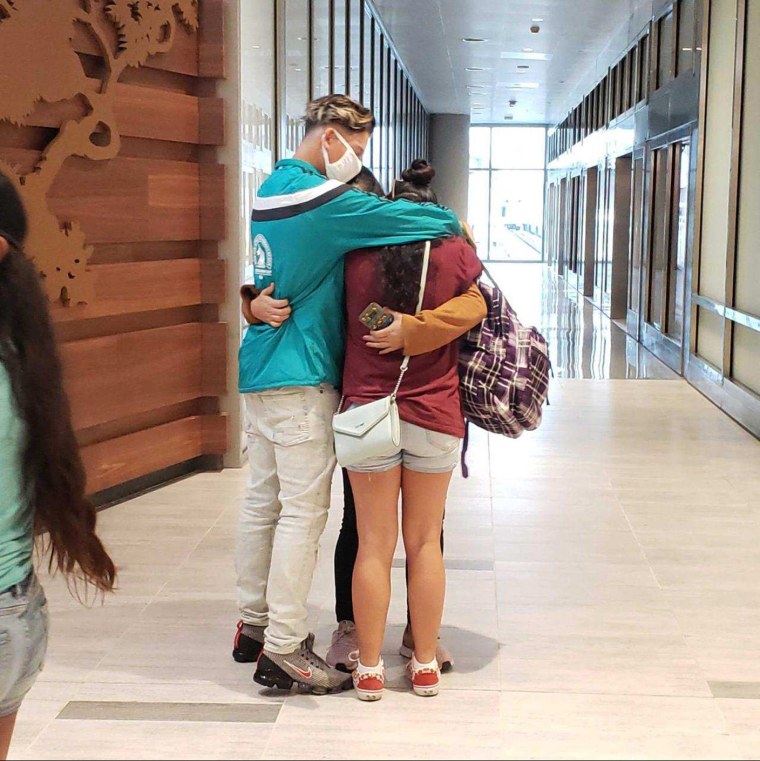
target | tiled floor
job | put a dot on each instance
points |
(584, 342)
(603, 602)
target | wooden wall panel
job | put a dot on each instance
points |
(144, 356)
(122, 375)
(150, 286)
(129, 457)
(147, 113)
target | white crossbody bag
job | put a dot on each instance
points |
(374, 430)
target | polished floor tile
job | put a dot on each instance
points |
(583, 342)
(602, 597)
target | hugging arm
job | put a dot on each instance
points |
(433, 328)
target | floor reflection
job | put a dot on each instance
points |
(583, 341)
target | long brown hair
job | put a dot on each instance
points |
(54, 479)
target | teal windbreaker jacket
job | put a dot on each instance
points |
(303, 225)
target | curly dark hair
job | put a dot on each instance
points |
(53, 475)
(401, 266)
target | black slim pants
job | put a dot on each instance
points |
(345, 556)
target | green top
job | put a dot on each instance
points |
(303, 225)
(16, 535)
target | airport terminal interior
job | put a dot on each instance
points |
(602, 594)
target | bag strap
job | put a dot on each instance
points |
(423, 285)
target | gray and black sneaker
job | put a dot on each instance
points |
(304, 668)
(249, 642)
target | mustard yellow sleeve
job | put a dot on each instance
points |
(433, 328)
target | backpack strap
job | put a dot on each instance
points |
(465, 447)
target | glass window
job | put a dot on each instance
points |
(339, 47)
(478, 209)
(687, 12)
(388, 164)
(644, 48)
(355, 42)
(378, 137)
(665, 53)
(507, 202)
(480, 147)
(635, 73)
(368, 64)
(627, 80)
(677, 275)
(519, 147)
(258, 108)
(398, 134)
(637, 222)
(660, 239)
(296, 91)
(745, 366)
(517, 214)
(320, 76)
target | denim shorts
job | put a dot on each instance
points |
(23, 641)
(421, 451)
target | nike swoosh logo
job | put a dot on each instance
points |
(305, 674)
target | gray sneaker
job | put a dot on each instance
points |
(442, 653)
(304, 668)
(344, 644)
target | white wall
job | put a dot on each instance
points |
(449, 154)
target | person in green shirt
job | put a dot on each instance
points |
(305, 219)
(42, 479)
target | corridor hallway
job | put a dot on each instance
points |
(602, 598)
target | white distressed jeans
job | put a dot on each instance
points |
(292, 459)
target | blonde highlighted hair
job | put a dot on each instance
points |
(339, 110)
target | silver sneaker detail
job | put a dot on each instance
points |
(303, 668)
(345, 643)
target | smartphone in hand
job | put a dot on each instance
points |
(375, 317)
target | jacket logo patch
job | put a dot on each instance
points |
(262, 257)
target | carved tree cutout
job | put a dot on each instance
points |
(127, 32)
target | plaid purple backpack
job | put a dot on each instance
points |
(504, 370)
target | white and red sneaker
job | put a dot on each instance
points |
(369, 681)
(425, 677)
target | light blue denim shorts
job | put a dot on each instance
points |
(23, 641)
(421, 451)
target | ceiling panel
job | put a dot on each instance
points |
(578, 40)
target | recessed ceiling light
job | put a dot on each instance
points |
(530, 56)
(474, 39)
(523, 85)
(474, 68)
(537, 20)
(527, 50)
(523, 67)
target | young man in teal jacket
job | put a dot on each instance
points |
(305, 220)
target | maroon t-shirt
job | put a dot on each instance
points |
(429, 395)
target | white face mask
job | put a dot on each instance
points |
(346, 167)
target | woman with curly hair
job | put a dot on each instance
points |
(431, 428)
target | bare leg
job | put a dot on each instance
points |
(424, 501)
(377, 520)
(7, 723)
